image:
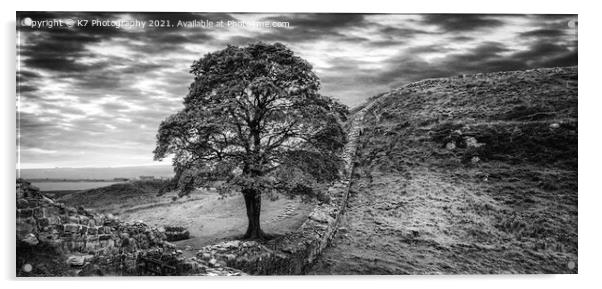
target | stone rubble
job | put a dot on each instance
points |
(102, 242)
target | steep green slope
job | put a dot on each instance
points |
(471, 174)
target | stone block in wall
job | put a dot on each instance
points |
(53, 220)
(73, 219)
(48, 235)
(51, 211)
(106, 229)
(32, 203)
(24, 213)
(91, 246)
(22, 203)
(104, 237)
(25, 226)
(43, 223)
(78, 245)
(70, 228)
(84, 220)
(38, 212)
(70, 211)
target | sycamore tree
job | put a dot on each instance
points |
(254, 122)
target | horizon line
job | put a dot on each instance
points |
(93, 167)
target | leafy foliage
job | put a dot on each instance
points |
(253, 119)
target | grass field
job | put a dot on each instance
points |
(208, 216)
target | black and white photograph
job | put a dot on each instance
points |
(305, 143)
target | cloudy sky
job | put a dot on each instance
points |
(94, 96)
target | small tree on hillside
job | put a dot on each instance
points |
(254, 122)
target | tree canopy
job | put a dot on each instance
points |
(255, 122)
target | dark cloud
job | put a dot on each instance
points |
(547, 54)
(462, 38)
(461, 22)
(57, 52)
(568, 58)
(553, 17)
(421, 49)
(401, 32)
(100, 80)
(543, 33)
(59, 48)
(409, 67)
(539, 50)
(487, 57)
(25, 88)
(26, 75)
(394, 35)
(564, 22)
(29, 122)
(405, 68)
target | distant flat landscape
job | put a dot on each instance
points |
(69, 186)
(99, 173)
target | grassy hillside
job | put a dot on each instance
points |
(118, 195)
(519, 117)
(470, 174)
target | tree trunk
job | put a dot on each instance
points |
(253, 204)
